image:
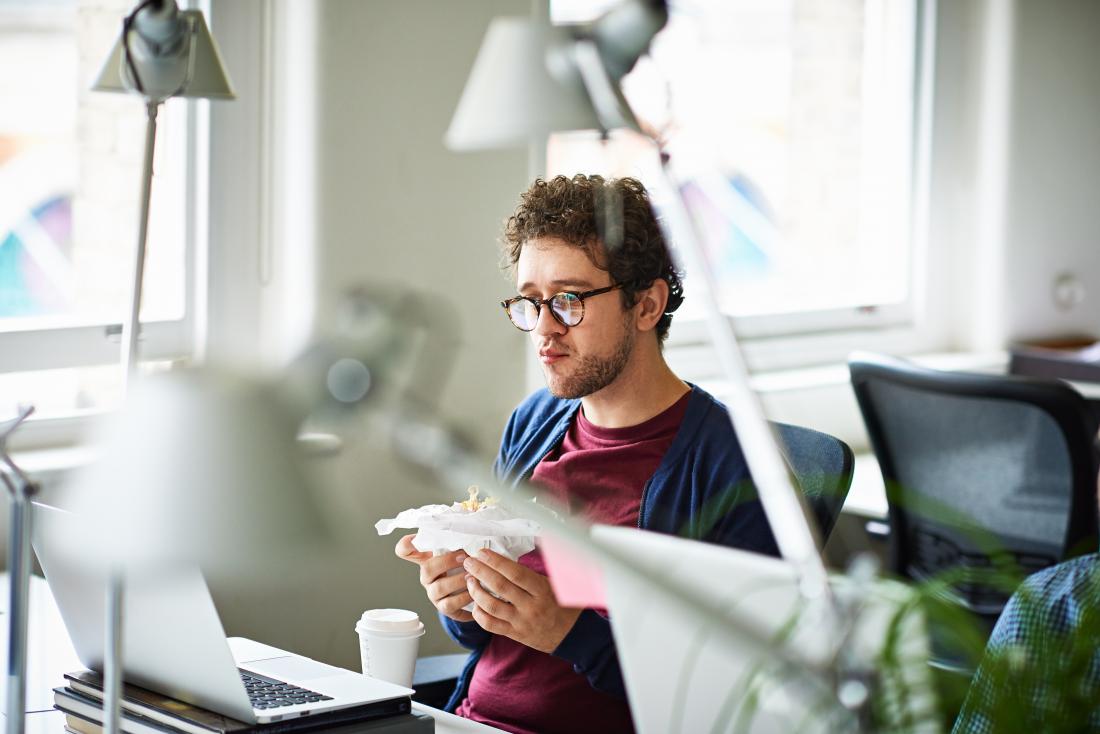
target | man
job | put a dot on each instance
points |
(1041, 669)
(616, 435)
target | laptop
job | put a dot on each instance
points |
(173, 643)
(683, 674)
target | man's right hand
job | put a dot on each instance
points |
(447, 593)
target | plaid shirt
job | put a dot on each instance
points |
(1040, 672)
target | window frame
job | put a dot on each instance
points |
(33, 343)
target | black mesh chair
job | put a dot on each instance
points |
(821, 464)
(979, 469)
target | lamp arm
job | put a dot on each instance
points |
(783, 504)
(611, 107)
(131, 327)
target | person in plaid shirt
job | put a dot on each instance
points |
(1041, 670)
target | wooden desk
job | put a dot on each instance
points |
(50, 655)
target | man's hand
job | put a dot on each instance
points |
(527, 611)
(447, 593)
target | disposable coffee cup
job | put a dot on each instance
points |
(388, 643)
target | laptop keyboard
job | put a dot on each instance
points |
(268, 693)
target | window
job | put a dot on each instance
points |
(791, 134)
(70, 167)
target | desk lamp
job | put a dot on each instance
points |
(525, 71)
(162, 52)
(200, 467)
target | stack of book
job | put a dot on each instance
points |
(146, 712)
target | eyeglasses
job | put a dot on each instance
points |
(566, 308)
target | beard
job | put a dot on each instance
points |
(592, 374)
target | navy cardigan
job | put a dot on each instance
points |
(701, 490)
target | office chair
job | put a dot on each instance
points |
(980, 469)
(822, 465)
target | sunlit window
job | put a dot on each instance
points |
(789, 125)
(70, 165)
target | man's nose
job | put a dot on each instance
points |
(546, 323)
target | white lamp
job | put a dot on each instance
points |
(199, 467)
(511, 98)
(165, 52)
(162, 52)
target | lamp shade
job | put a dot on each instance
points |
(199, 467)
(191, 68)
(511, 96)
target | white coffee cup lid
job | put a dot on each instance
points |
(390, 620)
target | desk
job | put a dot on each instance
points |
(867, 496)
(53, 722)
(50, 655)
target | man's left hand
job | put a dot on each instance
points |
(527, 611)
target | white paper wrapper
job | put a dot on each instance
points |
(445, 528)
(410, 518)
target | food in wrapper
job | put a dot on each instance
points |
(468, 525)
(472, 504)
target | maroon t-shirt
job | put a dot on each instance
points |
(599, 472)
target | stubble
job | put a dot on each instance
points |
(592, 374)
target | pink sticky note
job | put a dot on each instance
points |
(575, 576)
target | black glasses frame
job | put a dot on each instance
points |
(540, 302)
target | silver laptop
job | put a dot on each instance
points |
(174, 644)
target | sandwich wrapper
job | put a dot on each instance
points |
(445, 528)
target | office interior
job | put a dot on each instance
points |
(329, 171)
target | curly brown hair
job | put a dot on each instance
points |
(632, 250)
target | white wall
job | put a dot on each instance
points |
(364, 192)
(1052, 201)
(1017, 167)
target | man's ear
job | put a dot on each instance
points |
(650, 306)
